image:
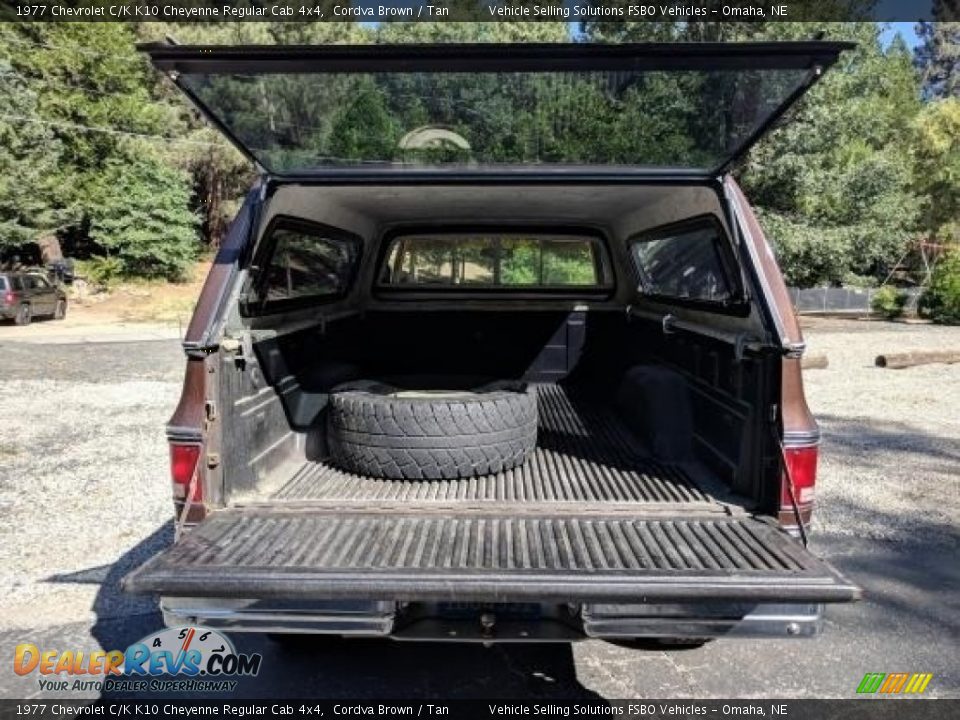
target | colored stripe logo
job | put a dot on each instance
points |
(894, 683)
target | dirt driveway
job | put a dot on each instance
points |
(84, 498)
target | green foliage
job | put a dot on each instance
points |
(572, 266)
(529, 262)
(87, 75)
(858, 281)
(520, 264)
(938, 54)
(144, 220)
(941, 301)
(101, 271)
(889, 302)
(809, 255)
(31, 199)
(936, 172)
(98, 141)
(365, 127)
(524, 261)
(836, 182)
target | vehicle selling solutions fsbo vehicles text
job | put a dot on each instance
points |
(632, 11)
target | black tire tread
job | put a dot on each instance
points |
(431, 438)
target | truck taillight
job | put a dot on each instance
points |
(802, 465)
(8, 297)
(183, 465)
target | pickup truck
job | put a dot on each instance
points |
(495, 350)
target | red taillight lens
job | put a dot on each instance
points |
(183, 465)
(802, 463)
(8, 297)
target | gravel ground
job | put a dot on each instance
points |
(83, 463)
(84, 498)
(890, 459)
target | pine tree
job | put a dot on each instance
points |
(104, 147)
(143, 219)
(938, 56)
(31, 204)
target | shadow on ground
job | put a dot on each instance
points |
(118, 614)
(855, 437)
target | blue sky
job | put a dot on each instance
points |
(906, 30)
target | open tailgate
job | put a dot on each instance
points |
(470, 556)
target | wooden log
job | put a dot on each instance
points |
(817, 361)
(900, 360)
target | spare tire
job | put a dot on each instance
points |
(380, 429)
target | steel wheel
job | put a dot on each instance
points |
(24, 315)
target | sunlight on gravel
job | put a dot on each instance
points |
(83, 478)
(890, 459)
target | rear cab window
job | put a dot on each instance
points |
(495, 261)
(37, 282)
(302, 264)
(687, 262)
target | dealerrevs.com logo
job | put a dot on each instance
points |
(175, 659)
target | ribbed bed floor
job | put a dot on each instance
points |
(584, 454)
(589, 519)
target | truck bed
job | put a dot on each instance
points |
(585, 458)
(590, 518)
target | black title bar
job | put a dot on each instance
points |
(545, 709)
(378, 11)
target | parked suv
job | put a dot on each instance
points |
(495, 350)
(25, 295)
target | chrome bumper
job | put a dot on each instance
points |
(496, 623)
(702, 621)
(272, 616)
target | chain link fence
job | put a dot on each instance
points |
(842, 300)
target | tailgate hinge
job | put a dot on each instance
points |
(794, 350)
